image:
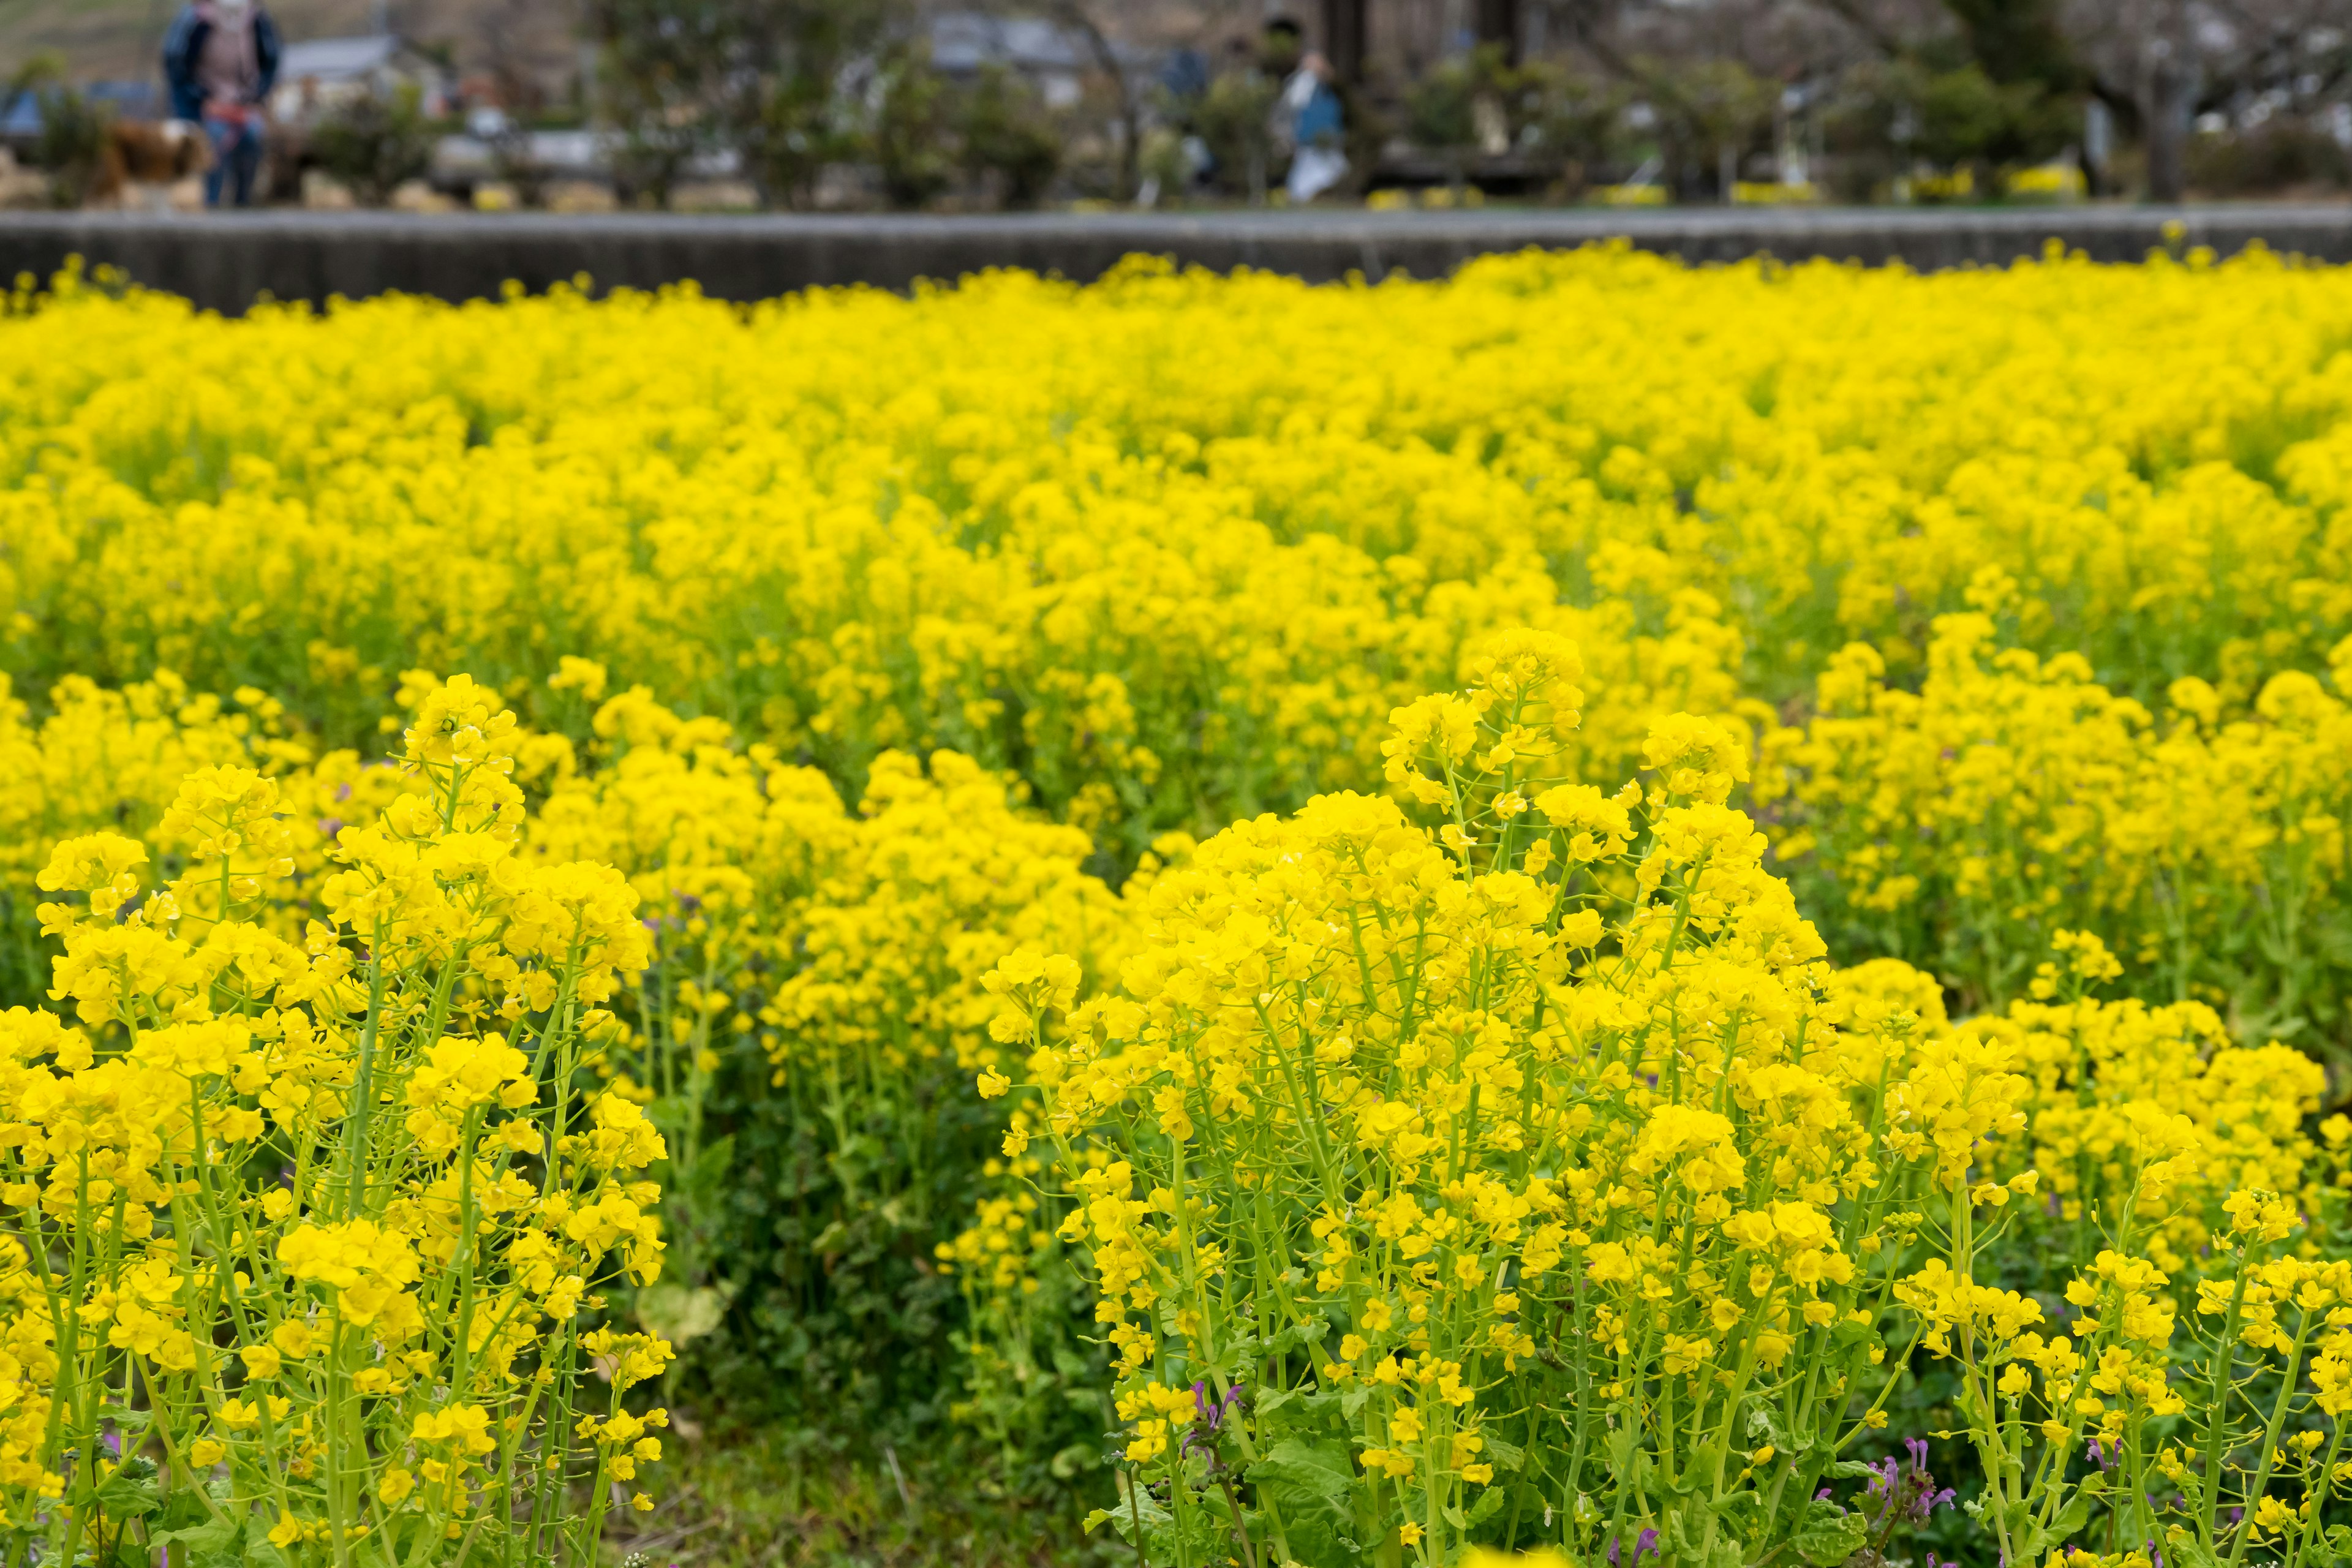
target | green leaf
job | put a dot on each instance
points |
(2332, 940)
(130, 1492)
(182, 1510)
(1293, 1336)
(2030, 1539)
(710, 1167)
(1296, 1469)
(2192, 1553)
(1828, 1535)
(1849, 1334)
(211, 1543)
(1311, 1487)
(1505, 1456)
(1268, 1403)
(1621, 1438)
(1131, 1502)
(1165, 1541)
(1740, 1515)
(681, 1313)
(1297, 1412)
(1682, 1528)
(1490, 1504)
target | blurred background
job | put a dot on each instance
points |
(966, 105)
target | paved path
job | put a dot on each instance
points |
(226, 260)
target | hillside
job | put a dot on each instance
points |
(117, 40)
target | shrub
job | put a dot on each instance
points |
(374, 143)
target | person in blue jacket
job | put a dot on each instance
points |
(1318, 129)
(221, 59)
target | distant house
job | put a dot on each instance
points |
(316, 73)
(1053, 58)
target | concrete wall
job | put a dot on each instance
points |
(224, 261)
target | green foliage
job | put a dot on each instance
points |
(1722, 101)
(1233, 120)
(372, 143)
(1563, 116)
(1828, 1534)
(825, 1246)
(798, 119)
(910, 128)
(2019, 42)
(1008, 139)
(735, 1499)
(654, 60)
(771, 81)
(995, 136)
(809, 1197)
(1442, 110)
(73, 127)
(1952, 116)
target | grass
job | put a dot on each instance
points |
(120, 41)
(748, 1503)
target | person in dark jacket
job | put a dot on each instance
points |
(220, 58)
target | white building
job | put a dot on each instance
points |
(317, 74)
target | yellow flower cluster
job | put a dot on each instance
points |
(2010, 797)
(253, 1305)
(1166, 548)
(1509, 1164)
(1523, 903)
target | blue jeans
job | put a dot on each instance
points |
(236, 156)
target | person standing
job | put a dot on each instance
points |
(1317, 130)
(220, 58)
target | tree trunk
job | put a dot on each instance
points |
(1498, 23)
(1130, 117)
(1344, 34)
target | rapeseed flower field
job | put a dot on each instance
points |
(1603, 909)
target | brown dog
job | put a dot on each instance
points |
(143, 160)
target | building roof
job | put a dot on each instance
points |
(21, 118)
(967, 40)
(338, 59)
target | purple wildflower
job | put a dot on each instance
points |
(1646, 1541)
(1210, 1418)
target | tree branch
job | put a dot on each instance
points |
(1863, 22)
(1074, 14)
